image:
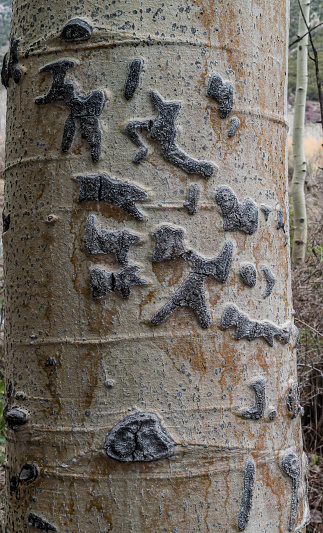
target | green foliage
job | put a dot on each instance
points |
(316, 459)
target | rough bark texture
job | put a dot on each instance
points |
(299, 174)
(136, 423)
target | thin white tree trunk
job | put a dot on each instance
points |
(173, 406)
(299, 174)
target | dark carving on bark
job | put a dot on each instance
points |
(138, 437)
(5, 222)
(272, 415)
(247, 494)
(293, 400)
(132, 80)
(28, 474)
(50, 361)
(76, 30)
(191, 294)
(234, 126)
(10, 67)
(290, 465)
(248, 274)
(104, 188)
(236, 215)
(266, 210)
(257, 411)
(83, 109)
(163, 130)
(222, 92)
(280, 217)
(122, 280)
(193, 198)
(100, 241)
(39, 523)
(270, 281)
(252, 329)
(14, 485)
(170, 245)
(16, 418)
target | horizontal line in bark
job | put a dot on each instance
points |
(115, 416)
(161, 469)
(109, 40)
(101, 45)
(176, 206)
(154, 335)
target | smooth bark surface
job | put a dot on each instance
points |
(299, 174)
(151, 364)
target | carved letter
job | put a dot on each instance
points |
(99, 241)
(85, 109)
(290, 465)
(237, 216)
(293, 400)
(170, 245)
(223, 93)
(266, 210)
(234, 126)
(10, 68)
(257, 411)
(122, 280)
(248, 274)
(163, 130)
(247, 494)
(104, 188)
(39, 523)
(132, 80)
(193, 198)
(270, 281)
(245, 327)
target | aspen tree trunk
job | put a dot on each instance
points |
(151, 365)
(299, 174)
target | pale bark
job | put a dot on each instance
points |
(299, 173)
(77, 367)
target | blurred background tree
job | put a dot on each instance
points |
(316, 17)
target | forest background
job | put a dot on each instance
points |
(307, 277)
